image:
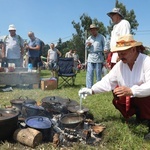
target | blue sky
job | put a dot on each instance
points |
(51, 19)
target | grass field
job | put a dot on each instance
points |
(117, 136)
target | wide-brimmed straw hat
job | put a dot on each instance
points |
(93, 26)
(11, 27)
(115, 11)
(125, 42)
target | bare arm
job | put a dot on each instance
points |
(3, 50)
(48, 55)
(37, 47)
(59, 53)
(22, 51)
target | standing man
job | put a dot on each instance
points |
(13, 48)
(33, 50)
(120, 28)
(95, 47)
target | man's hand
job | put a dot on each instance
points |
(122, 91)
(88, 43)
(84, 92)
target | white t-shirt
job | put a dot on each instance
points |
(13, 46)
(53, 56)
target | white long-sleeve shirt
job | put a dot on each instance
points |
(138, 79)
(119, 29)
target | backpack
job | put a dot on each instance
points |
(41, 47)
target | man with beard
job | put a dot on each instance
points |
(129, 79)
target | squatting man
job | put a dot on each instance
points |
(129, 80)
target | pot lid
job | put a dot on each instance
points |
(72, 103)
(21, 100)
(72, 118)
(38, 122)
(17, 101)
(55, 99)
(30, 101)
(7, 114)
(33, 106)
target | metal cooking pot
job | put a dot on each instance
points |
(29, 110)
(17, 103)
(8, 123)
(43, 124)
(72, 120)
(30, 101)
(57, 104)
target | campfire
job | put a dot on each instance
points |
(56, 120)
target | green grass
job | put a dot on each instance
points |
(117, 136)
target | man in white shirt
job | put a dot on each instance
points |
(13, 49)
(120, 28)
(129, 79)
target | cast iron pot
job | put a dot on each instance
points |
(8, 123)
(56, 104)
(76, 109)
(72, 120)
(42, 124)
(17, 103)
(29, 110)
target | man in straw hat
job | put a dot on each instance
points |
(129, 79)
(120, 28)
(95, 46)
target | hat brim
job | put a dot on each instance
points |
(122, 48)
(11, 29)
(93, 28)
(110, 14)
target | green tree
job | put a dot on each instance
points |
(46, 48)
(82, 30)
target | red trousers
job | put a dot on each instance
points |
(138, 106)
